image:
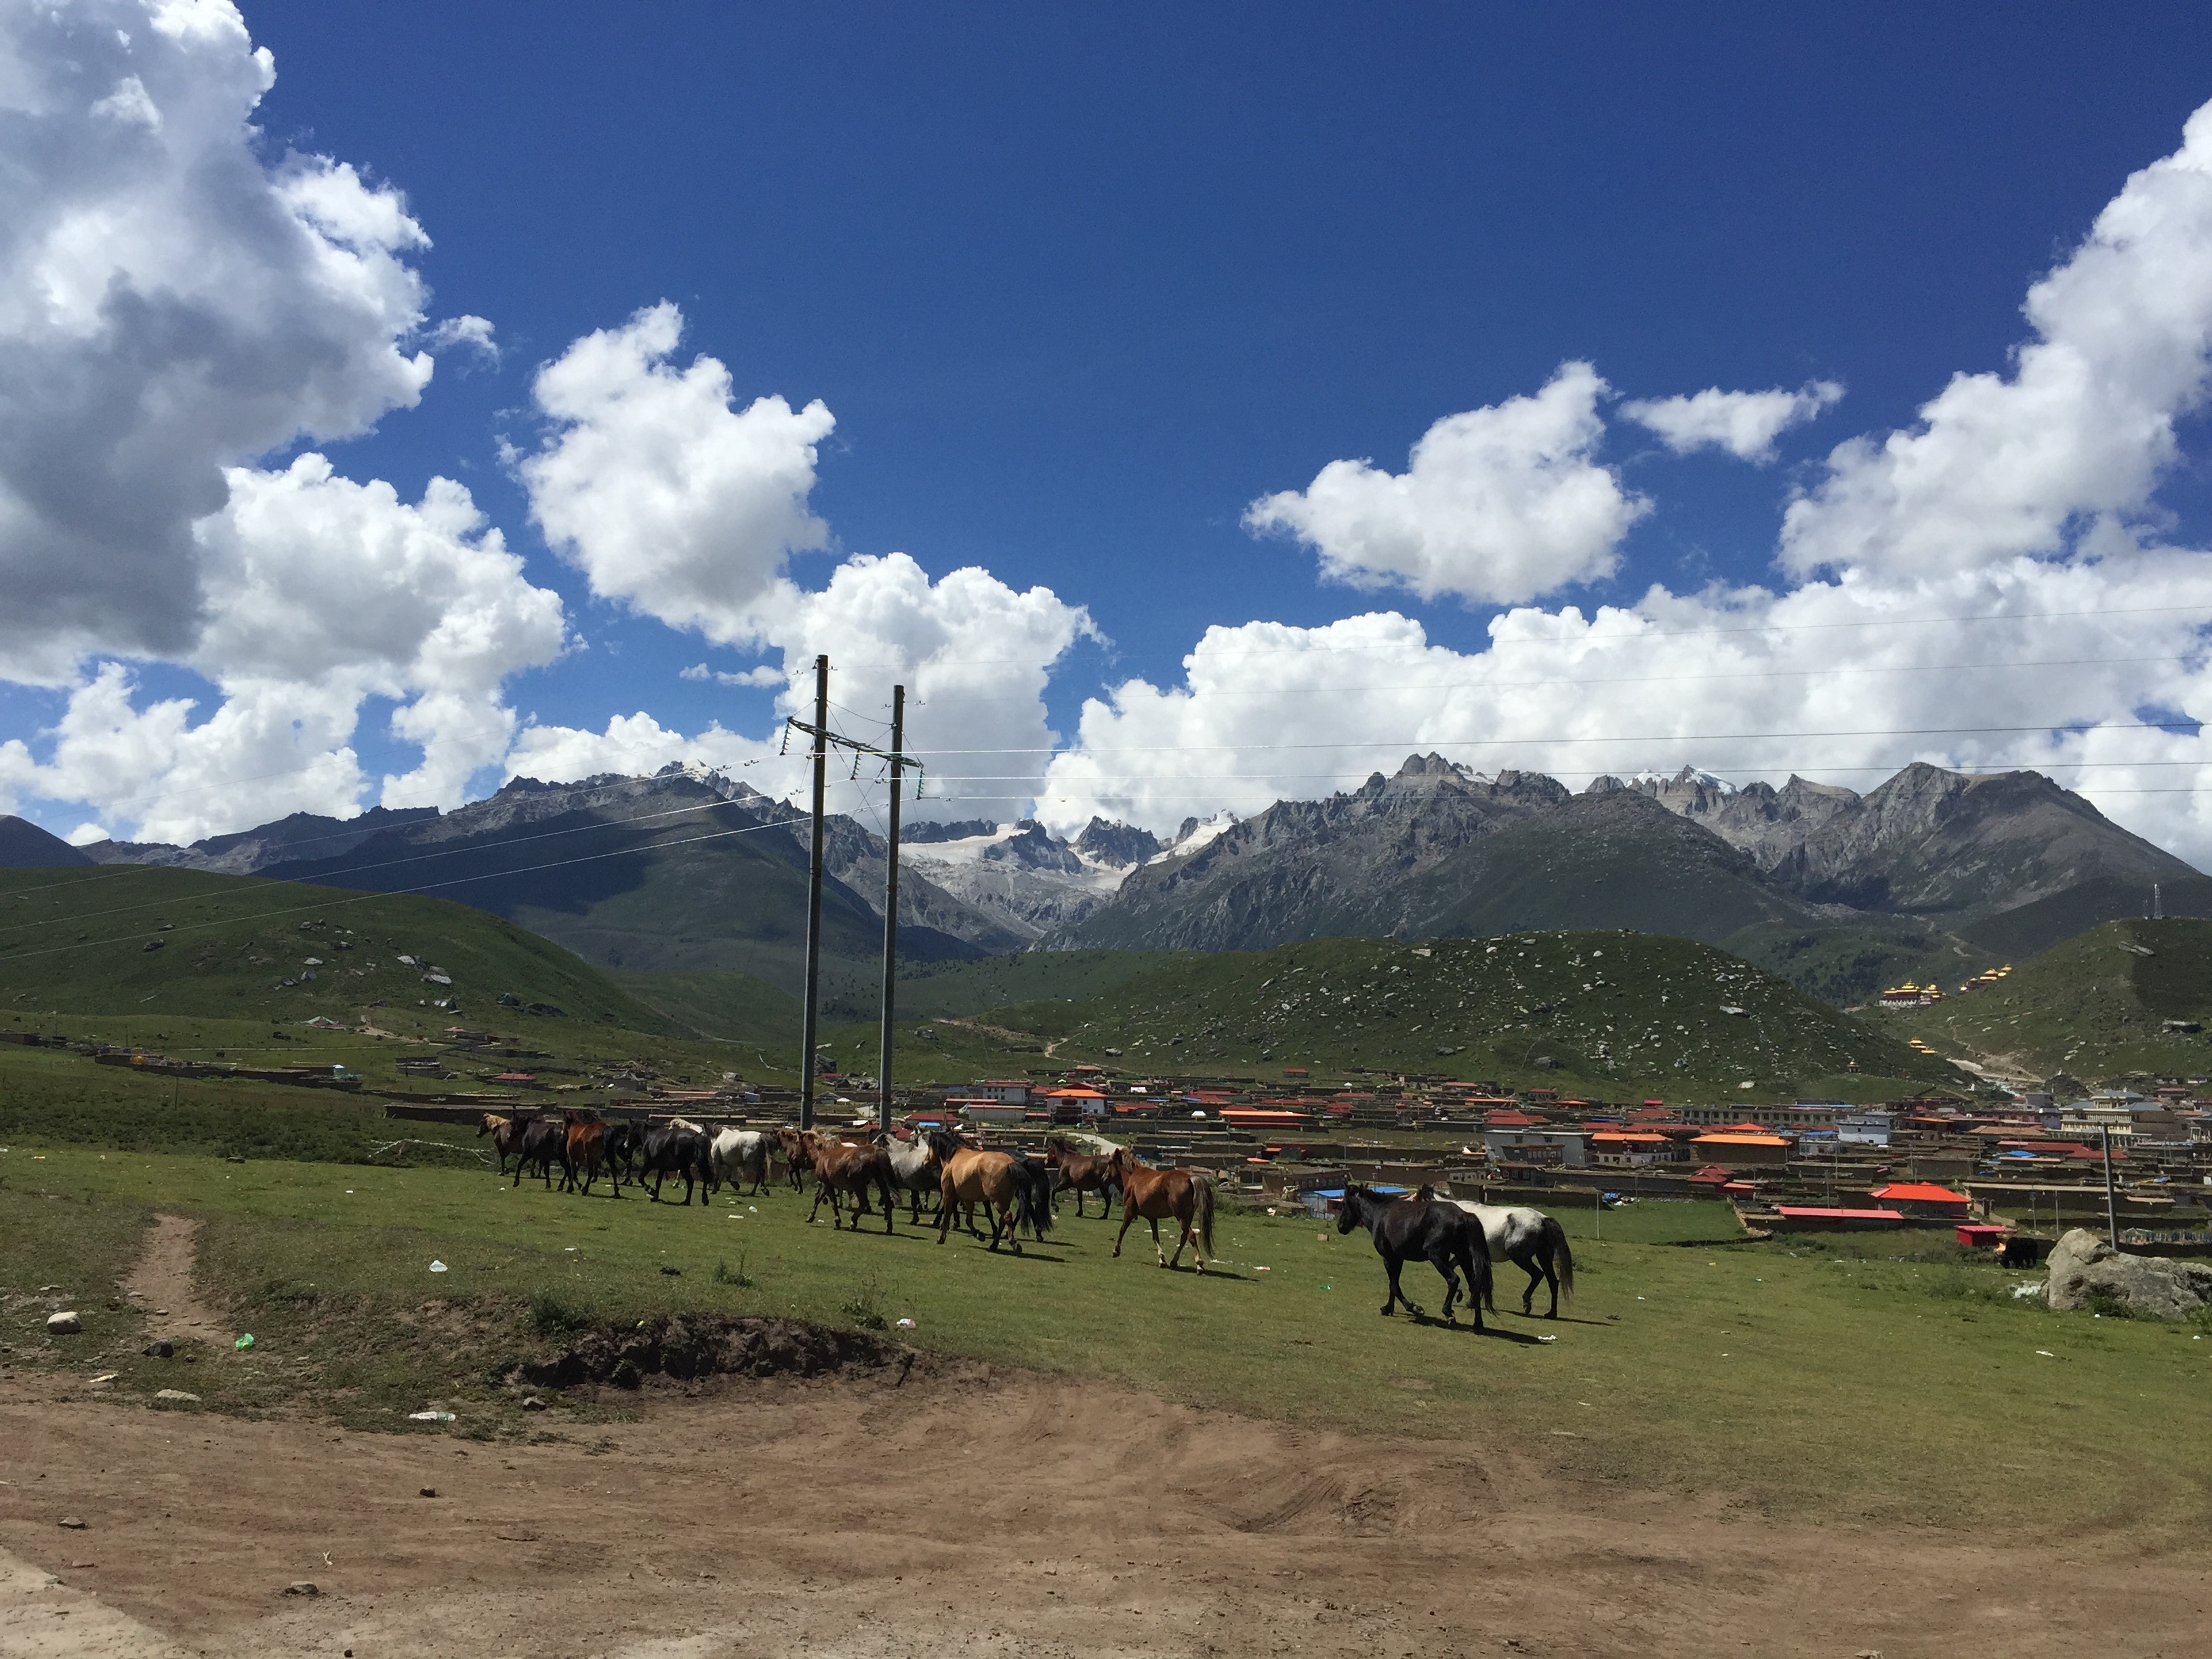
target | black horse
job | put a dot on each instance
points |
(673, 1151)
(621, 1146)
(1442, 1233)
(545, 1143)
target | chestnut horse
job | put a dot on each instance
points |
(1083, 1172)
(797, 1146)
(1012, 1190)
(586, 1152)
(844, 1166)
(1154, 1194)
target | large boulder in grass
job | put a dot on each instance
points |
(2084, 1268)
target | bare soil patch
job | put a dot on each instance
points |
(162, 1285)
(967, 1510)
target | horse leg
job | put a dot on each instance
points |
(1441, 1256)
(1390, 1264)
(1129, 1215)
(891, 1205)
(1153, 1222)
(1181, 1238)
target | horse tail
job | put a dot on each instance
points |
(1555, 1241)
(1028, 1210)
(1481, 1279)
(1039, 1179)
(1202, 1211)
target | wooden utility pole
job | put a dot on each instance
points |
(823, 738)
(890, 910)
(808, 1024)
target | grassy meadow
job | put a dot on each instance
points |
(1889, 1378)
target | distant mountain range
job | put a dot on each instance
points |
(663, 873)
(1931, 874)
(1829, 888)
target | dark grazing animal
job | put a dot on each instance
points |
(621, 1139)
(1442, 1234)
(1083, 1172)
(544, 1142)
(506, 1133)
(673, 1152)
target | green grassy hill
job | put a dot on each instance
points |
(692, 885)
(929, 989)
(76, 941)
(1615, 1013)
(2094, 1007)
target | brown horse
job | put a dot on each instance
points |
(506, 1133)
(797, 1146)
(1083, 1172)
(842, 1166)
(586, 1149)
(1012, 1190)
(1156, 1194)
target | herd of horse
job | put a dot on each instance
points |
(1014, 1189)
(1017, 1191)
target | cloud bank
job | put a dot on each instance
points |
(1986, 589)
(176, 304)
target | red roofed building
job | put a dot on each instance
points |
(1741, 1147)
(1924, 1199)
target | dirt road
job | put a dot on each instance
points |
(966, 1514)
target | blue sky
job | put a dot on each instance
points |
(1080, 284)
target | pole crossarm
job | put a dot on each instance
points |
(898, 762)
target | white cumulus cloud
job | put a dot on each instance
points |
(177, 303)
(170, 304)
(322, 593)
(2075, 435)
(1987, 589)
(972, 653)
(1499, 504)
(667, 498)
(1744, 423)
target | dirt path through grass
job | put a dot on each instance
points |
(992, 1513)
(163, 1286)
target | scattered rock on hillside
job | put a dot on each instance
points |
(2082, 1264)
(63, 1324)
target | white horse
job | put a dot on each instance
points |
(915, 1170)
(740, 1155)
(1532, 1241)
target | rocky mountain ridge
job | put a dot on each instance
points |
(1929, 871)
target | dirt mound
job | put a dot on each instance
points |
(689, 1346)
